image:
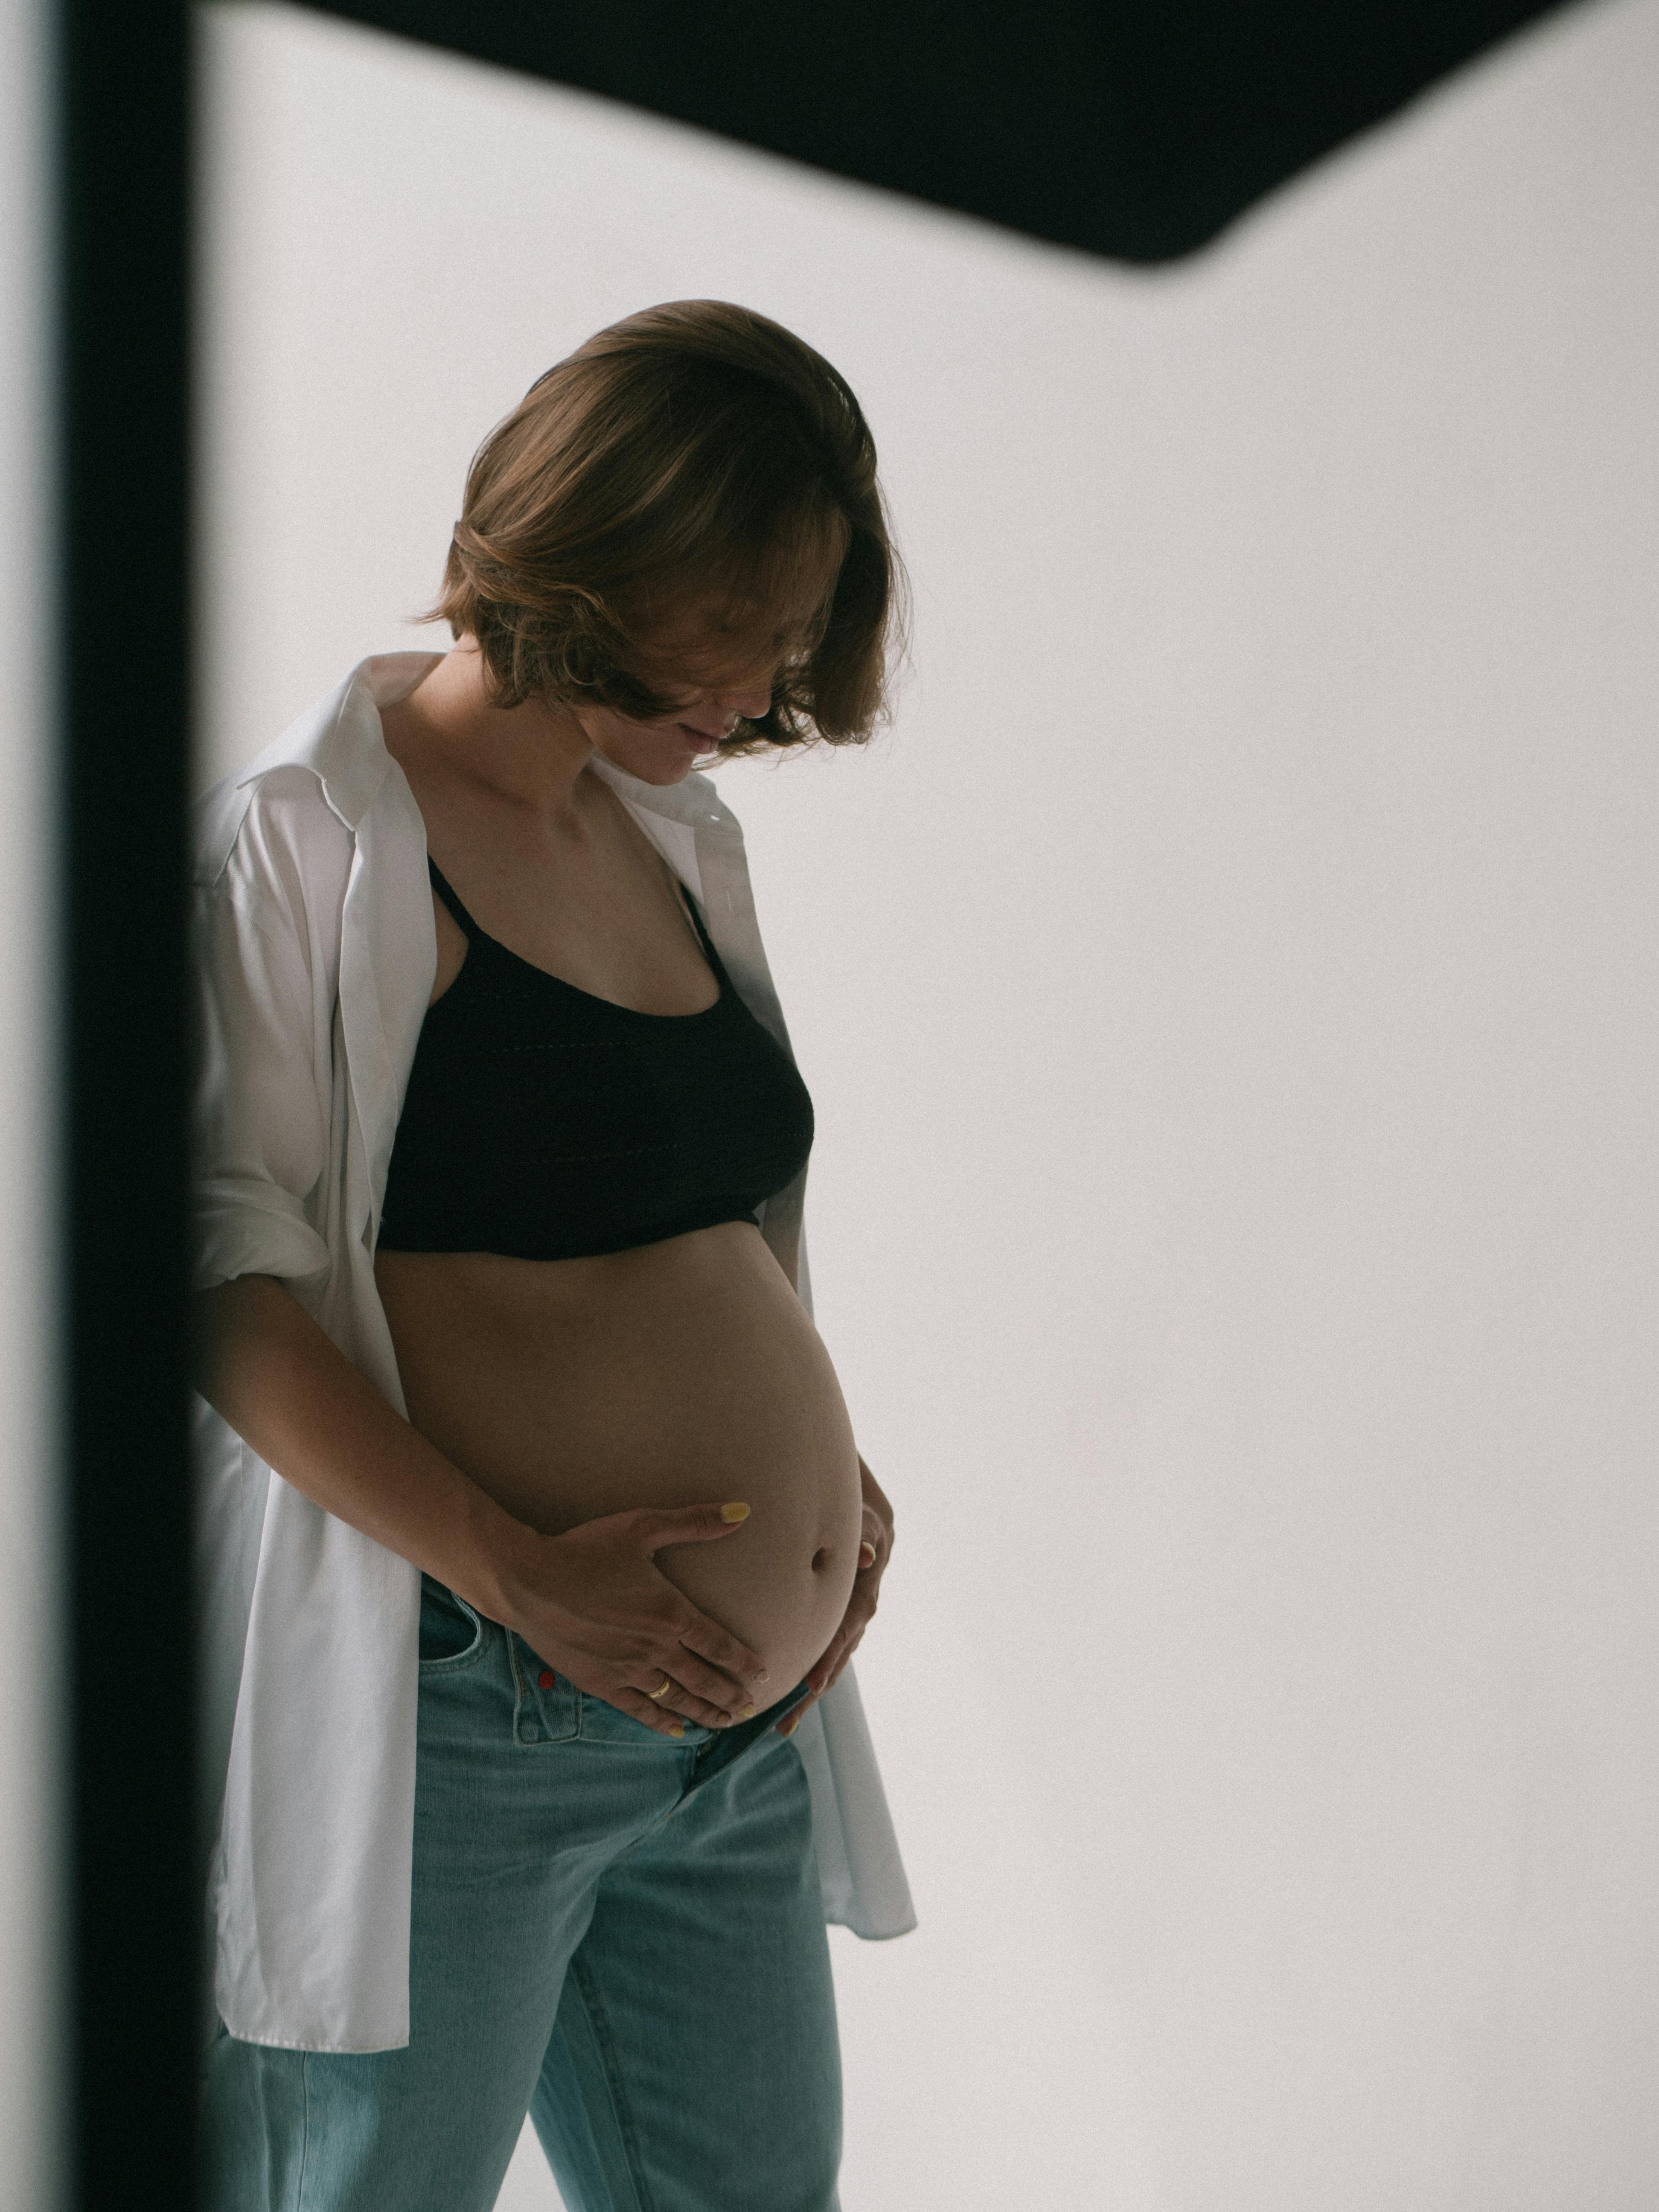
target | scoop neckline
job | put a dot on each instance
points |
(593, 998)
(716, 966)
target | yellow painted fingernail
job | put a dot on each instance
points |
(734, 1513)
(677, 1731)
(747, 1714)
(867, 1555)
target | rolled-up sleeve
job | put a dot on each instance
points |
(266, 987)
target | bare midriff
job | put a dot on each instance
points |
(680, 1373)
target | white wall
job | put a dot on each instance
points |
(30, 1844)
(1227, 997)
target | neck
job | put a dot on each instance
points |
(530, 755)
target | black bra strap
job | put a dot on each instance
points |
(714, 958)
(690, 905)
(470, 928)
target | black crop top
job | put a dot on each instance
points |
(547, 1124)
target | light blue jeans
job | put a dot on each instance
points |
(618, 1933)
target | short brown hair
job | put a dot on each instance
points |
(694, 452)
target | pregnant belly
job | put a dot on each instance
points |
(680, 1373)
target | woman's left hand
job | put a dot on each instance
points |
(875, 1549)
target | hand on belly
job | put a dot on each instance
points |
(594, 1603)
(781, 1584)
(663, 1378)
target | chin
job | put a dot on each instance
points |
(664, 775)
(650, 764)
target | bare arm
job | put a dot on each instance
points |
(267, 1367)
(590, 1601)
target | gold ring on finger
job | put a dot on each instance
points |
(667, 1685)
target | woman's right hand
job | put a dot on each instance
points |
(593, 1603)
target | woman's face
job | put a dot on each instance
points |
(716, 673)
(665, 751)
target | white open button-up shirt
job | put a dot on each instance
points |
(316, 953)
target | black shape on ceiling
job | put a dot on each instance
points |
(1135, 128)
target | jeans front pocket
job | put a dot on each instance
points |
(452, 1634)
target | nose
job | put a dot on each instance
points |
(750, 704)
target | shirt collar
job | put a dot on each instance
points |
(341, 741)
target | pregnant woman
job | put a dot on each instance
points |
(537, 1537)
